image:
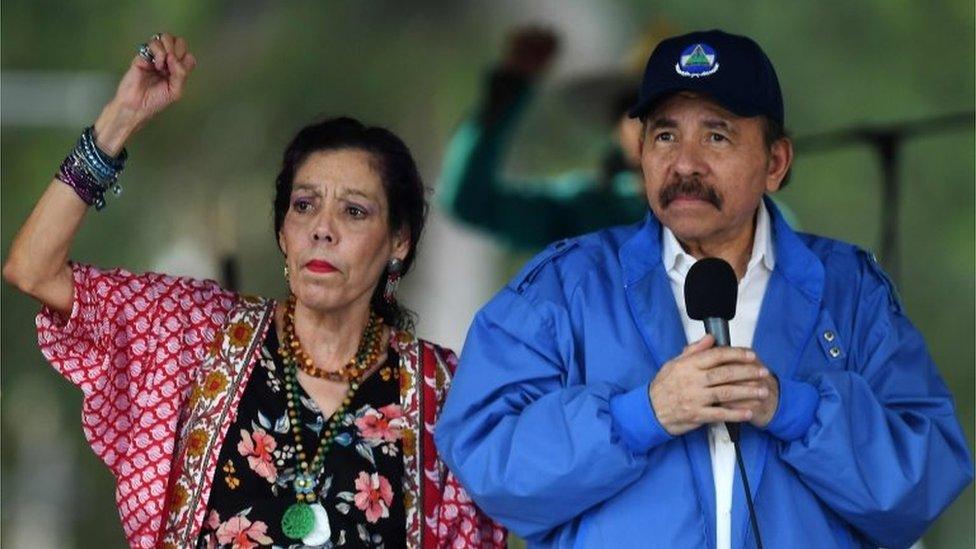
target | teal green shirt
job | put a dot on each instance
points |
(528, 214)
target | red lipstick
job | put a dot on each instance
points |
(320, 266)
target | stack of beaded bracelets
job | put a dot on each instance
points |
(91, 172)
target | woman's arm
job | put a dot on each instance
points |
(37, 263)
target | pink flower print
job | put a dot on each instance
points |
(386, 424)
(373, 495)
(258, 448)
(393, 412)
(213, 520)
(242, 534)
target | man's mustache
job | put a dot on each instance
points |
(691, 187)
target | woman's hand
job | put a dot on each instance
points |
(146, 89)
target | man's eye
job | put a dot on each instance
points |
(665, 136)
(717, 137)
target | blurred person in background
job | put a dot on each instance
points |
(588, 408)
(236, 421)
(523, 214)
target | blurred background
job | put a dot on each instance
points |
(199, 181)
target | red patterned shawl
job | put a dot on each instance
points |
(162, 363)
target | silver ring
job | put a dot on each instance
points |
(146, 53)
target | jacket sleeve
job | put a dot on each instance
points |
(884, 450)
(471, 188)
(533, 452)
(124, 332)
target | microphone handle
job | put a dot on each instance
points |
(719, 329)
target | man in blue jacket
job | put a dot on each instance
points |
(581, 416)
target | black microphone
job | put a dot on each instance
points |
(711, 288)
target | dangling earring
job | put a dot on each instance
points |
(394, 269)
(287, 278)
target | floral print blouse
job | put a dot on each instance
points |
(360, 485)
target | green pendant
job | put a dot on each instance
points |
(298, 520)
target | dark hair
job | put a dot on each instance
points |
(773, 131)
(404, 188)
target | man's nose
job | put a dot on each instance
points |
(689, 159)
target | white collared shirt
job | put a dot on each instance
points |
(752, 287)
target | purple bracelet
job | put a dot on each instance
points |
(74, 173)
(91, 172)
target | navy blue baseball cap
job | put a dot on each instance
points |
(732, 70)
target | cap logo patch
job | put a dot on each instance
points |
(696, 61)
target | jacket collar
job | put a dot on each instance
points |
(641, 253)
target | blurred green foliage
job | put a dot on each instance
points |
(266, 68)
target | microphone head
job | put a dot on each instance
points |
(711, 288)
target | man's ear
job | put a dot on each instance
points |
(780, 160)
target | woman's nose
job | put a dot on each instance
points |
(324, 229)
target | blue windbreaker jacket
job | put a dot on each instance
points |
(549, 426)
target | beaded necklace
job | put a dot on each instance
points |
(352, 369)
(306, 519)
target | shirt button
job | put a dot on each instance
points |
(828, 335)
(834, 352)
